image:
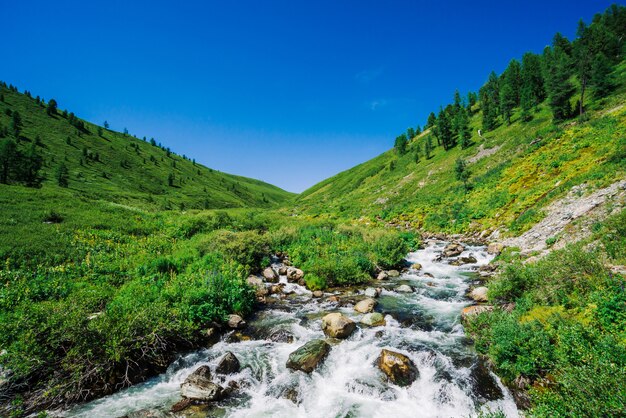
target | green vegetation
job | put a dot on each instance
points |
(567, 332)
(95, 294)
(48, 148)
(534, 152)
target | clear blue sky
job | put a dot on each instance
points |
(290, 92)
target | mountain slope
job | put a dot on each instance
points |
(104, 164)
(515, 170)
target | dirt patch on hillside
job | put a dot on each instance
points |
(571, 218)
(482, 153)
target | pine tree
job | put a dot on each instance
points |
(461, 172)
(507, 102)
(417, 153)
(532, 80)
(8, 153)
(106, 125)
(410, 133)
(444, 130)
(432, 120)
(30, 165)
(490, 102)
(601, 75)
(472, 98)
(170, 179)
(400, 144)
(582, 54)
(62, 175)
(526, 103)
(428, 147)
(16, 124)
(52, 107)
(557, 73)
(461, 126)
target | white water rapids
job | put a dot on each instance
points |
(424, 325)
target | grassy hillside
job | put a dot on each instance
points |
(112, 166)
(525, 165)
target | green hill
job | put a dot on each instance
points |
(108, 165)
(513, 169)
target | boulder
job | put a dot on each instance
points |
(374, 319)
(404, 288)
(416, 266)
(453, 249)
(336, 325)
(307, 357)
(198, 386)
(318, 294)
(467, 260)
(365, 306)
(282, 270)
(470, 311)
(236, 322)
(495, 248)
(281, 336)
(479, 294)
(372, 292)
(294, 274)
(382, 276)
(229, 364)
(270, 275)
(255, 281)
(393, 273)
(397, 367)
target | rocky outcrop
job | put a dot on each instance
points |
(382, 276)
(198, 386)
(307, 357)
(229, 364)
(318, 294)
(336, 325)
(365, 306)
(374, 319)
(453, 249)
(255, 281)
(416, 266)
(397, 367)
(281, 336)
(393, 273)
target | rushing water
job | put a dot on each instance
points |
(424, 325)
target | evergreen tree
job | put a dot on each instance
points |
(410, 133)
(99, 131)
(418, 130)
(472, 98)
(400, 144)
(62, 175)
(507, 102)
(512, 77)
(532, 80)
(582, 54)
(557, 73)
(601, 75)
(490, 102)
(461, 126)
(417, 153)
(432, 120)
(428, 147)
(106, 125)
(8, 154)
(444, 131)
(16, 124)
(170, 179)
(31, 163)
(461, 172)
(52, 107)
(526, 103)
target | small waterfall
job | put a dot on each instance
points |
(424, 325)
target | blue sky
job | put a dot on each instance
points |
(289, 92)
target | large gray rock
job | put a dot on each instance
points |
(398, 367)
(372, 292)
(404, 288)
(382, 276)
(270, 275)
(294, 274)
(236, 322)
(307, 357)
(495, 248)
(336, 325)
(255, 281)
(452, 249)
(365, 306)
(198, 386)
(393, 273)
(374, 319)
(229, 364)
